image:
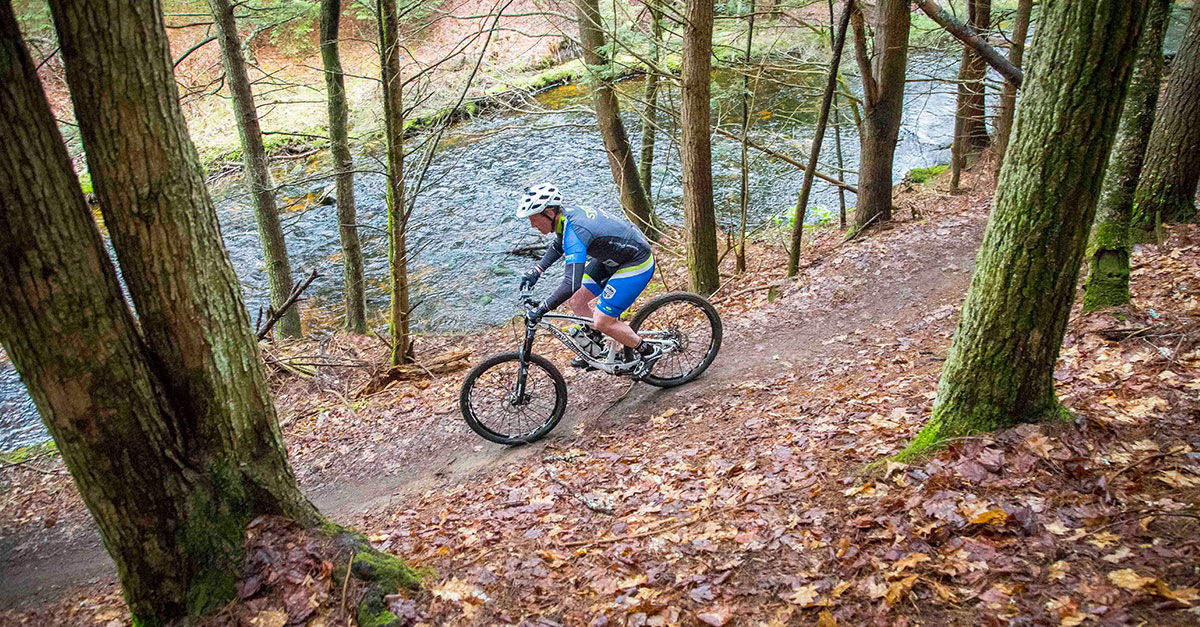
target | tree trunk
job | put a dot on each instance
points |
(699, 214)
(1008, 93)
(973, 72)
(170, 434)
(883, 99)
(837, 138)
(258, 172)
(343, 163)
(608, 116)
(1108, 273)
(650, 108)
(839, 41)
(393, 113)
(999, 371)
(1166, 190)
(970, 128)
(744, 195)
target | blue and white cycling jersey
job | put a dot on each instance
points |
(621, 262)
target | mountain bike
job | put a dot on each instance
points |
(517, 397)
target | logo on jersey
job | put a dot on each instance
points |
(609, 291)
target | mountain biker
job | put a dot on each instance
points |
(620, 268)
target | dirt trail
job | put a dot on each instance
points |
(885, 282)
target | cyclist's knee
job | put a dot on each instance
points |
(603, 322)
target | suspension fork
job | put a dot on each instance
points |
(518, 395)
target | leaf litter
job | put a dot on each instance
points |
(750, 500)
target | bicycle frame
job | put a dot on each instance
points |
(609, 365)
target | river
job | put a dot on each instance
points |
(463, 278)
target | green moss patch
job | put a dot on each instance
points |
(920, 176)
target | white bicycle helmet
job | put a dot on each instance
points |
(537, 199)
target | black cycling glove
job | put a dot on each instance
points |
(533, 315)
(530, 279)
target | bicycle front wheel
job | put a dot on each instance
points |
(491, 408)
(690, 325)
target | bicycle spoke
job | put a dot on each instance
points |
(692, 330)
(490, 400)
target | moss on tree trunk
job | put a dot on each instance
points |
(1166, 189)
(397, 211)
(1108, 265)
(999, 371)
(167, 426)
(339, 145)
(258, 171)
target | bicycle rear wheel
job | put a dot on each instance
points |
(692, 324)
(490, 408)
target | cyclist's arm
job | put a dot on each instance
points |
(553, 252)
(572, 281)
(576, 255)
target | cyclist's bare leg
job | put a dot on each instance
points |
(580, 303)
(615, 328)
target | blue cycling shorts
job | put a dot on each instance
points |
(617, 287)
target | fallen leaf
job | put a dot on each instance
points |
(1176, 479)
(898, 589)
(715, 617)
(995, 516)
(826, 619)
(1057, 528)
(1184, 595)
(269, 618)
(1103, 539)
(1118, 556)
(908, 562)
(804, 596)
(1129, 579)
(632, 582)
(458, 590)
(1058, 570)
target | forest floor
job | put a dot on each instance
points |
(744, 497)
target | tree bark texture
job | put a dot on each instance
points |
(883, 74)
(393, 113)
(970, 37)
(339, 145)
(744, 191)
(999, 371)
(170, 434)
(699, 214)
(1108, 263)
(1008, 93)
(839, 41)
(971, 97)
(258, 171)
(650, 110)
(1166, 190)
(608, 116)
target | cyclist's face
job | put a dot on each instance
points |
(540, 222)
